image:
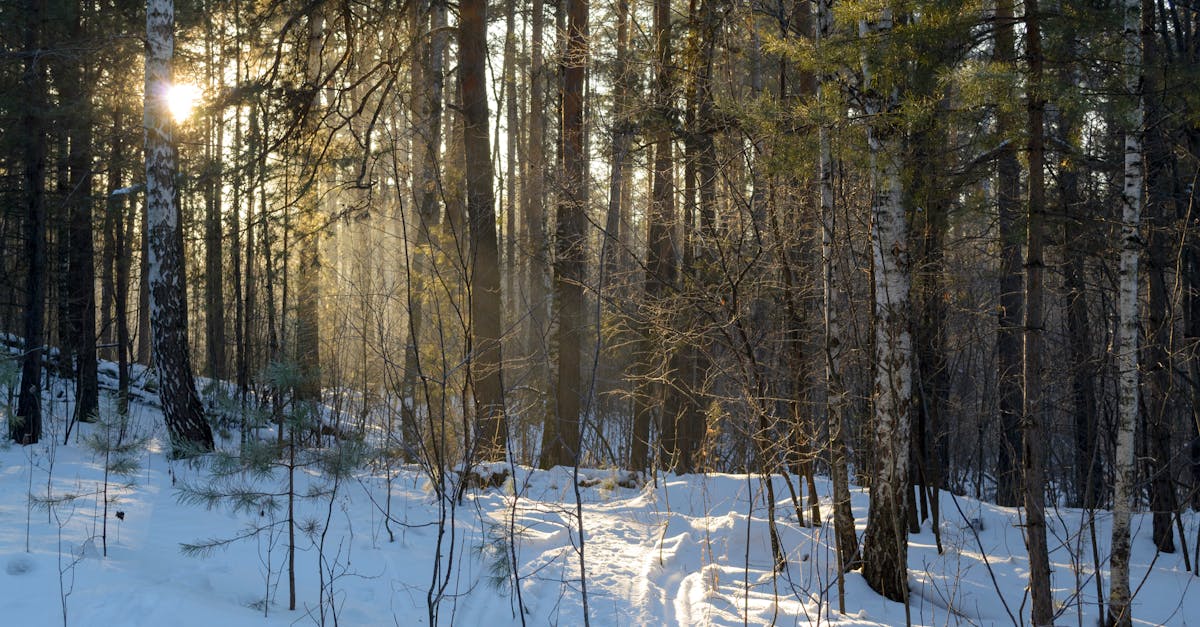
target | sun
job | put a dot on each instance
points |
(182, 99)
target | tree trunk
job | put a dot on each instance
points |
(81, 272)
(885, 545)
(660, 262)
(1089, 470)
(184, 415)
(1125, 484)
(512, 138)
(1032, 427)
(484, 265)
(214, 276)
(836, 408)
(570, 244)
(145, 340)
(1008, 332)
(308, 279)
(622, 135)
(931, 227)
(243, 202)
(27, 427)
(1159, 357)
(121, 230)
(533, 211)
(427, 112)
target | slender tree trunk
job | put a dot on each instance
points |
(122, 228)
(308, 279)
(660, 263)
(931, 226)
(214, 276)
(512, 138)
(1161, 402)
(1033, 423)
(243, 194)
(108, 263)
(484, 265)
(81, 271)
(27, 427)
(622, 135)
(58, 214)
(144, 341)
(1125, 485)
(570, 243)
(1008, 332)
(533, 211)
(427, 111)
(885, 545)
(1089, 470)
(836, 399)
(184, 415)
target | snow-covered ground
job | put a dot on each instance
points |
(690, 550)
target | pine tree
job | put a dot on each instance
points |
(484, 263)
(27, 427)
(562, 443)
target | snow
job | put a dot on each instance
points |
(686, 550)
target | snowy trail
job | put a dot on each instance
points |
(650, 564)
(620, 540)
(690, 550)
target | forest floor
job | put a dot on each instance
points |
(686, 550)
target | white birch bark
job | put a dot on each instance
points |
(885, 545)
(1125, 470)
(182, 411)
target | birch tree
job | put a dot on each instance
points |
(885, 545)
(184, 415)
(1125, 469)
(843, 516)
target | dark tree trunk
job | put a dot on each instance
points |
(1008, 333)
(931, 226)
(1161, 402)
(122, 227)
(533, 210)
(661, 267)
(308, 279)
(243, 198)
(563, 441)
(622, 135)
(513, 137)
(1033, 424)
(214, 275)
(427, 111)
(144, 340)
(484, 265)
(81, 271)
(27, 427)
(1088, 467)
